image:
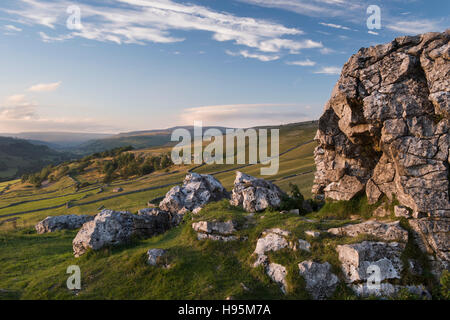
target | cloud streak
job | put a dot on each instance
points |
(144, 21)
(45, 87)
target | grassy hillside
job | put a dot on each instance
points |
(19, 156)
(199, 269)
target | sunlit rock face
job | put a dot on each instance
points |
(385, 132)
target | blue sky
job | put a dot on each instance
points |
(148, 64)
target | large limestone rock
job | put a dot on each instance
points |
(320, 281)
(197, 190)
(114, 228)
(272, 240)
(357, 258)
(385, 130)
(391, 231)
(255, 194)
(215, 230)
(70, 222)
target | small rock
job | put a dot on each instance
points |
(387, 290)
(244, 287)
(312, 233)
(278, 274)
(295, 211)
(154, 255)
(401, 211)
(320, 282)
(304, 245)
(117, 190)
(224, 228)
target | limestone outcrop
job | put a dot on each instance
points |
(255, 194)
(197, 190)
(111, 228)
(385, 132)
(55, 223)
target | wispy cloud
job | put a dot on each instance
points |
(142, 21)
(17, 107)
(246, 115)
(12, 28)
(335, 26)
(329, 70)
(246, 54)
(302, 63)
(413, 27)
(45, 87)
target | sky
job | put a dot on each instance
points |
(113, 66)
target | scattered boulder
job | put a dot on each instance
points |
(154, 256)
(215, 230)
(386, 130)
(391, 231)
(386, 289)
(56, 223)
(277, 273)
(312, 233)
(304, 245)
(402, 212)
(357, 258)
(272, 240)
(197, 190)
(114, 228)
(255, 194)
(320, 281)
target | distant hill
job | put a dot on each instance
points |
(19, 156)
(57, 140)
(137, 139)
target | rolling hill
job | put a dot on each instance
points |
(20, 156)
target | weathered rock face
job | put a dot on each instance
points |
(154, 255)
(197, 190)
(320, 282)
(70, 222)
(114, 228)
(215, 230)
(385, 130)
(391, 231)
(255, 194)
(277, 273)
(356, 260)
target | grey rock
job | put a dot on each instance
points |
(224, 228)
(197, 190)
(386, 289)
(312, 233)
(357, 258)
(304, 245)
(401, 212)
(154, 256)
(277, 273)
(255, 194)
(115, 228)
(391, 231)
(320, 281)
(385, 129)
(56, 223)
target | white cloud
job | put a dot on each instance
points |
(373, 33)
(329, 70)
(246, 115)
(142, 21)
(12, 28)
(45, 87)
(413, 27)
(303, 63)
(246, 54)
(17, 107)
(327, 51)
(335, 26)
